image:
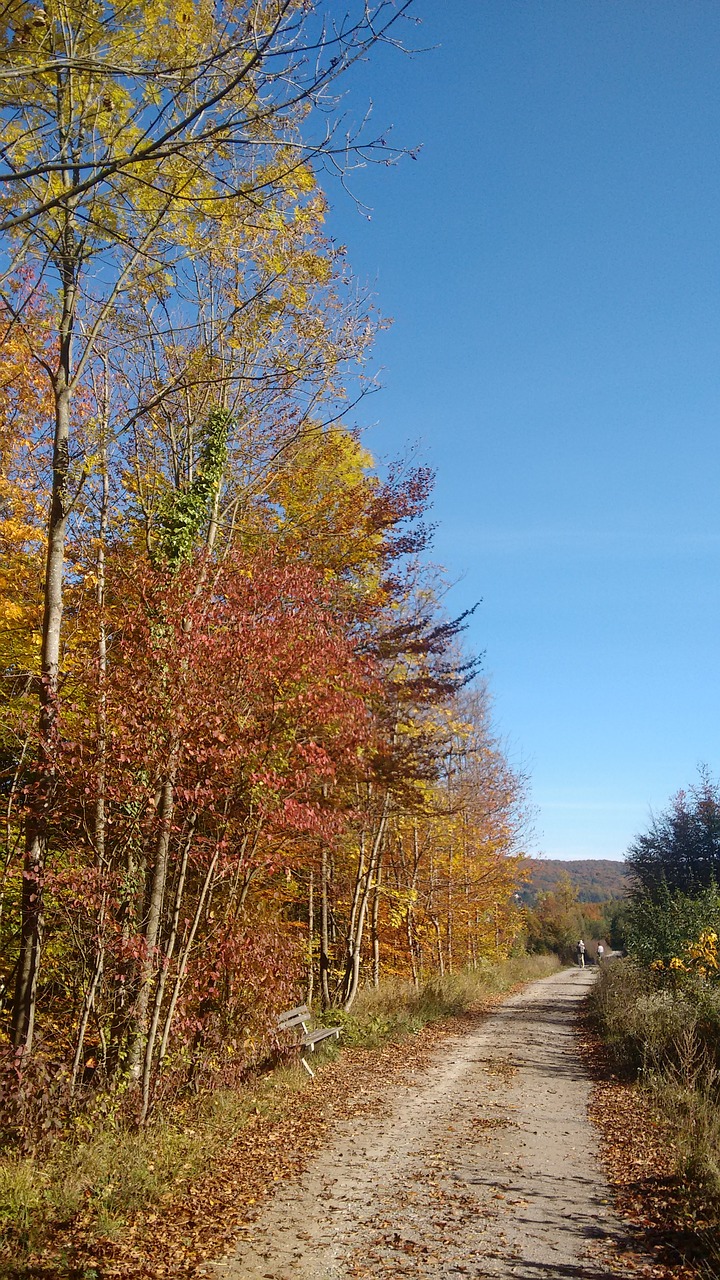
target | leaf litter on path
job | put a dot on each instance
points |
(210, 1214)
(639, 1159)
(417, 1232)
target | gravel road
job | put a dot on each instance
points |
(483, 1165)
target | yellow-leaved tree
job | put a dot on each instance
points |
(132, 135)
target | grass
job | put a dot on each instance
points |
(106, 1175)
(112, 1173)
(397, 1009)
(668, 1039)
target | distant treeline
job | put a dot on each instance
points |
(595, 879)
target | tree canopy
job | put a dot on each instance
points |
(243, 755)
(681, 850)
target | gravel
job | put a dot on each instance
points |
(482, 1165)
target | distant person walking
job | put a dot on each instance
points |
(601, 952)
(581, 954)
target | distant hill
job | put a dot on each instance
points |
(596, 879)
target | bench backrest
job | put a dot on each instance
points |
(294, 1017)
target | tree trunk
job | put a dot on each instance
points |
(324, 940)
(32, 913)
(311, 932)
(152, 925)
(364, 883)
(438, 939)
(449, 930)
(186, 955)
(99, 823)
(163, 973)
(374, 929)
(411, 947)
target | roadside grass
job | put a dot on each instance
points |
(104, 1176)
(397, 1008)
(668, 1039)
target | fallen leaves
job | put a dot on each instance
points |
(637, 1153)
(205, 1219)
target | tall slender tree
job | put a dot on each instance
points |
(130, 135)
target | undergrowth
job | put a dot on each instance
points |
(397, 1009)
(107, 1175)
(666, 1035)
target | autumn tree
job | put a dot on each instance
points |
(131, 136)
(556, 921)
(452, 856)
(260, 760)
(413, 854)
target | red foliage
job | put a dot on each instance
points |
(239, 682)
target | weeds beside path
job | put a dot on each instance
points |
(659, 1134)
(160, 1202)
(483, 1163)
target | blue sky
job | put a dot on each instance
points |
(551, 262)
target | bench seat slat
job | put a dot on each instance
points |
(302, 1017)
(322, 1033)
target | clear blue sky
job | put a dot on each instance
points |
(552, 265)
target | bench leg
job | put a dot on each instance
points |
(308, 1068)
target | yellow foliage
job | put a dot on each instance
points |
(25, 405)
(703, 954)
(322, 496)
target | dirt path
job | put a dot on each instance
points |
(483, 1165)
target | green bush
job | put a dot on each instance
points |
(660, 928)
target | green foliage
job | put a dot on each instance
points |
(681, 851)
(660, 927)
(555, 924)
(183, 512)
(615, 920)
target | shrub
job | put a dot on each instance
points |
(664, 927)
(397, 1008)
(668, 1034)
(637, 1015)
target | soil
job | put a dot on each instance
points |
(481, 1163)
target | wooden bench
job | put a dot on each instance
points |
(302, 1017)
